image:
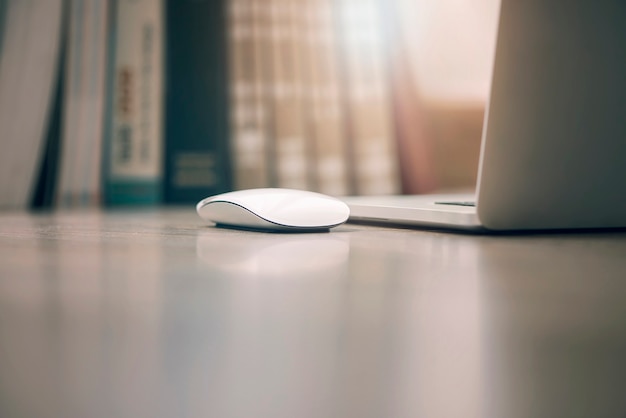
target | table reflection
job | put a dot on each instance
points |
(115, 315)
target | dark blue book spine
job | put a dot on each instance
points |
(133, 145)
(197, 157)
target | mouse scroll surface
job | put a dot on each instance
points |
(274, 209)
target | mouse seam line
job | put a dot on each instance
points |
(267, 220)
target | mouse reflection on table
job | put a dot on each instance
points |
(273, 209)
(275, 257)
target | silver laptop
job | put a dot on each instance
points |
(554, 139)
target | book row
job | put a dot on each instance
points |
(161, 101)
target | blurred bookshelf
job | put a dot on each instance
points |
(149, 102)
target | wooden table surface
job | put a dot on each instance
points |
(154, 314)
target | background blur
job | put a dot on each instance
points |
(449, 48)
(144, 102)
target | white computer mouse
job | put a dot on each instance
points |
(274, 209)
